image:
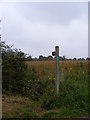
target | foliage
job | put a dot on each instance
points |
(13, 69)
(65, 113)
(71, 95)
(34, 87)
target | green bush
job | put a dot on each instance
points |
(33, 87)
(50, 100)
(71, 95)
(13, 69)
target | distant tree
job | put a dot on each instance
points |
(29, 58)
(60, 58)
(69, 59)
(88, 58)
(35, 59)
(64, 58)
(74, 59)
(79, 59)
(49, 57)
(41, 58)
(83, 59)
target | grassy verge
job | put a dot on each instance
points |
(17, 107)
(21, 107)
(66, 113)
(42, 101)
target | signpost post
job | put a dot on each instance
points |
(57, 68)
(56, 54)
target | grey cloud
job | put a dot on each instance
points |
(37, 27)
(53, 13)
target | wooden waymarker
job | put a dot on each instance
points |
(56, 54)
(57, 68)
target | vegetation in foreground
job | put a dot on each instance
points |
(23, 107)
(29, 87)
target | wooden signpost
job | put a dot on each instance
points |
(56, 54)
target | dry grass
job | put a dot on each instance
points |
(46, 69)
(10, 104)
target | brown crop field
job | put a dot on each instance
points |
(46, 69)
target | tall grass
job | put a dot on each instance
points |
(73, 89)
(77, 70)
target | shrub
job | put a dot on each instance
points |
(71, 95)
(33, 87)
(50, 100)
(13, 69)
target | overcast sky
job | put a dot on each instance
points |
(36, 28)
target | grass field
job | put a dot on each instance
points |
(46, 69)
(72, 100)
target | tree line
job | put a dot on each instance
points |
(48, 58)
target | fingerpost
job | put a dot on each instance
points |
(56, 54)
